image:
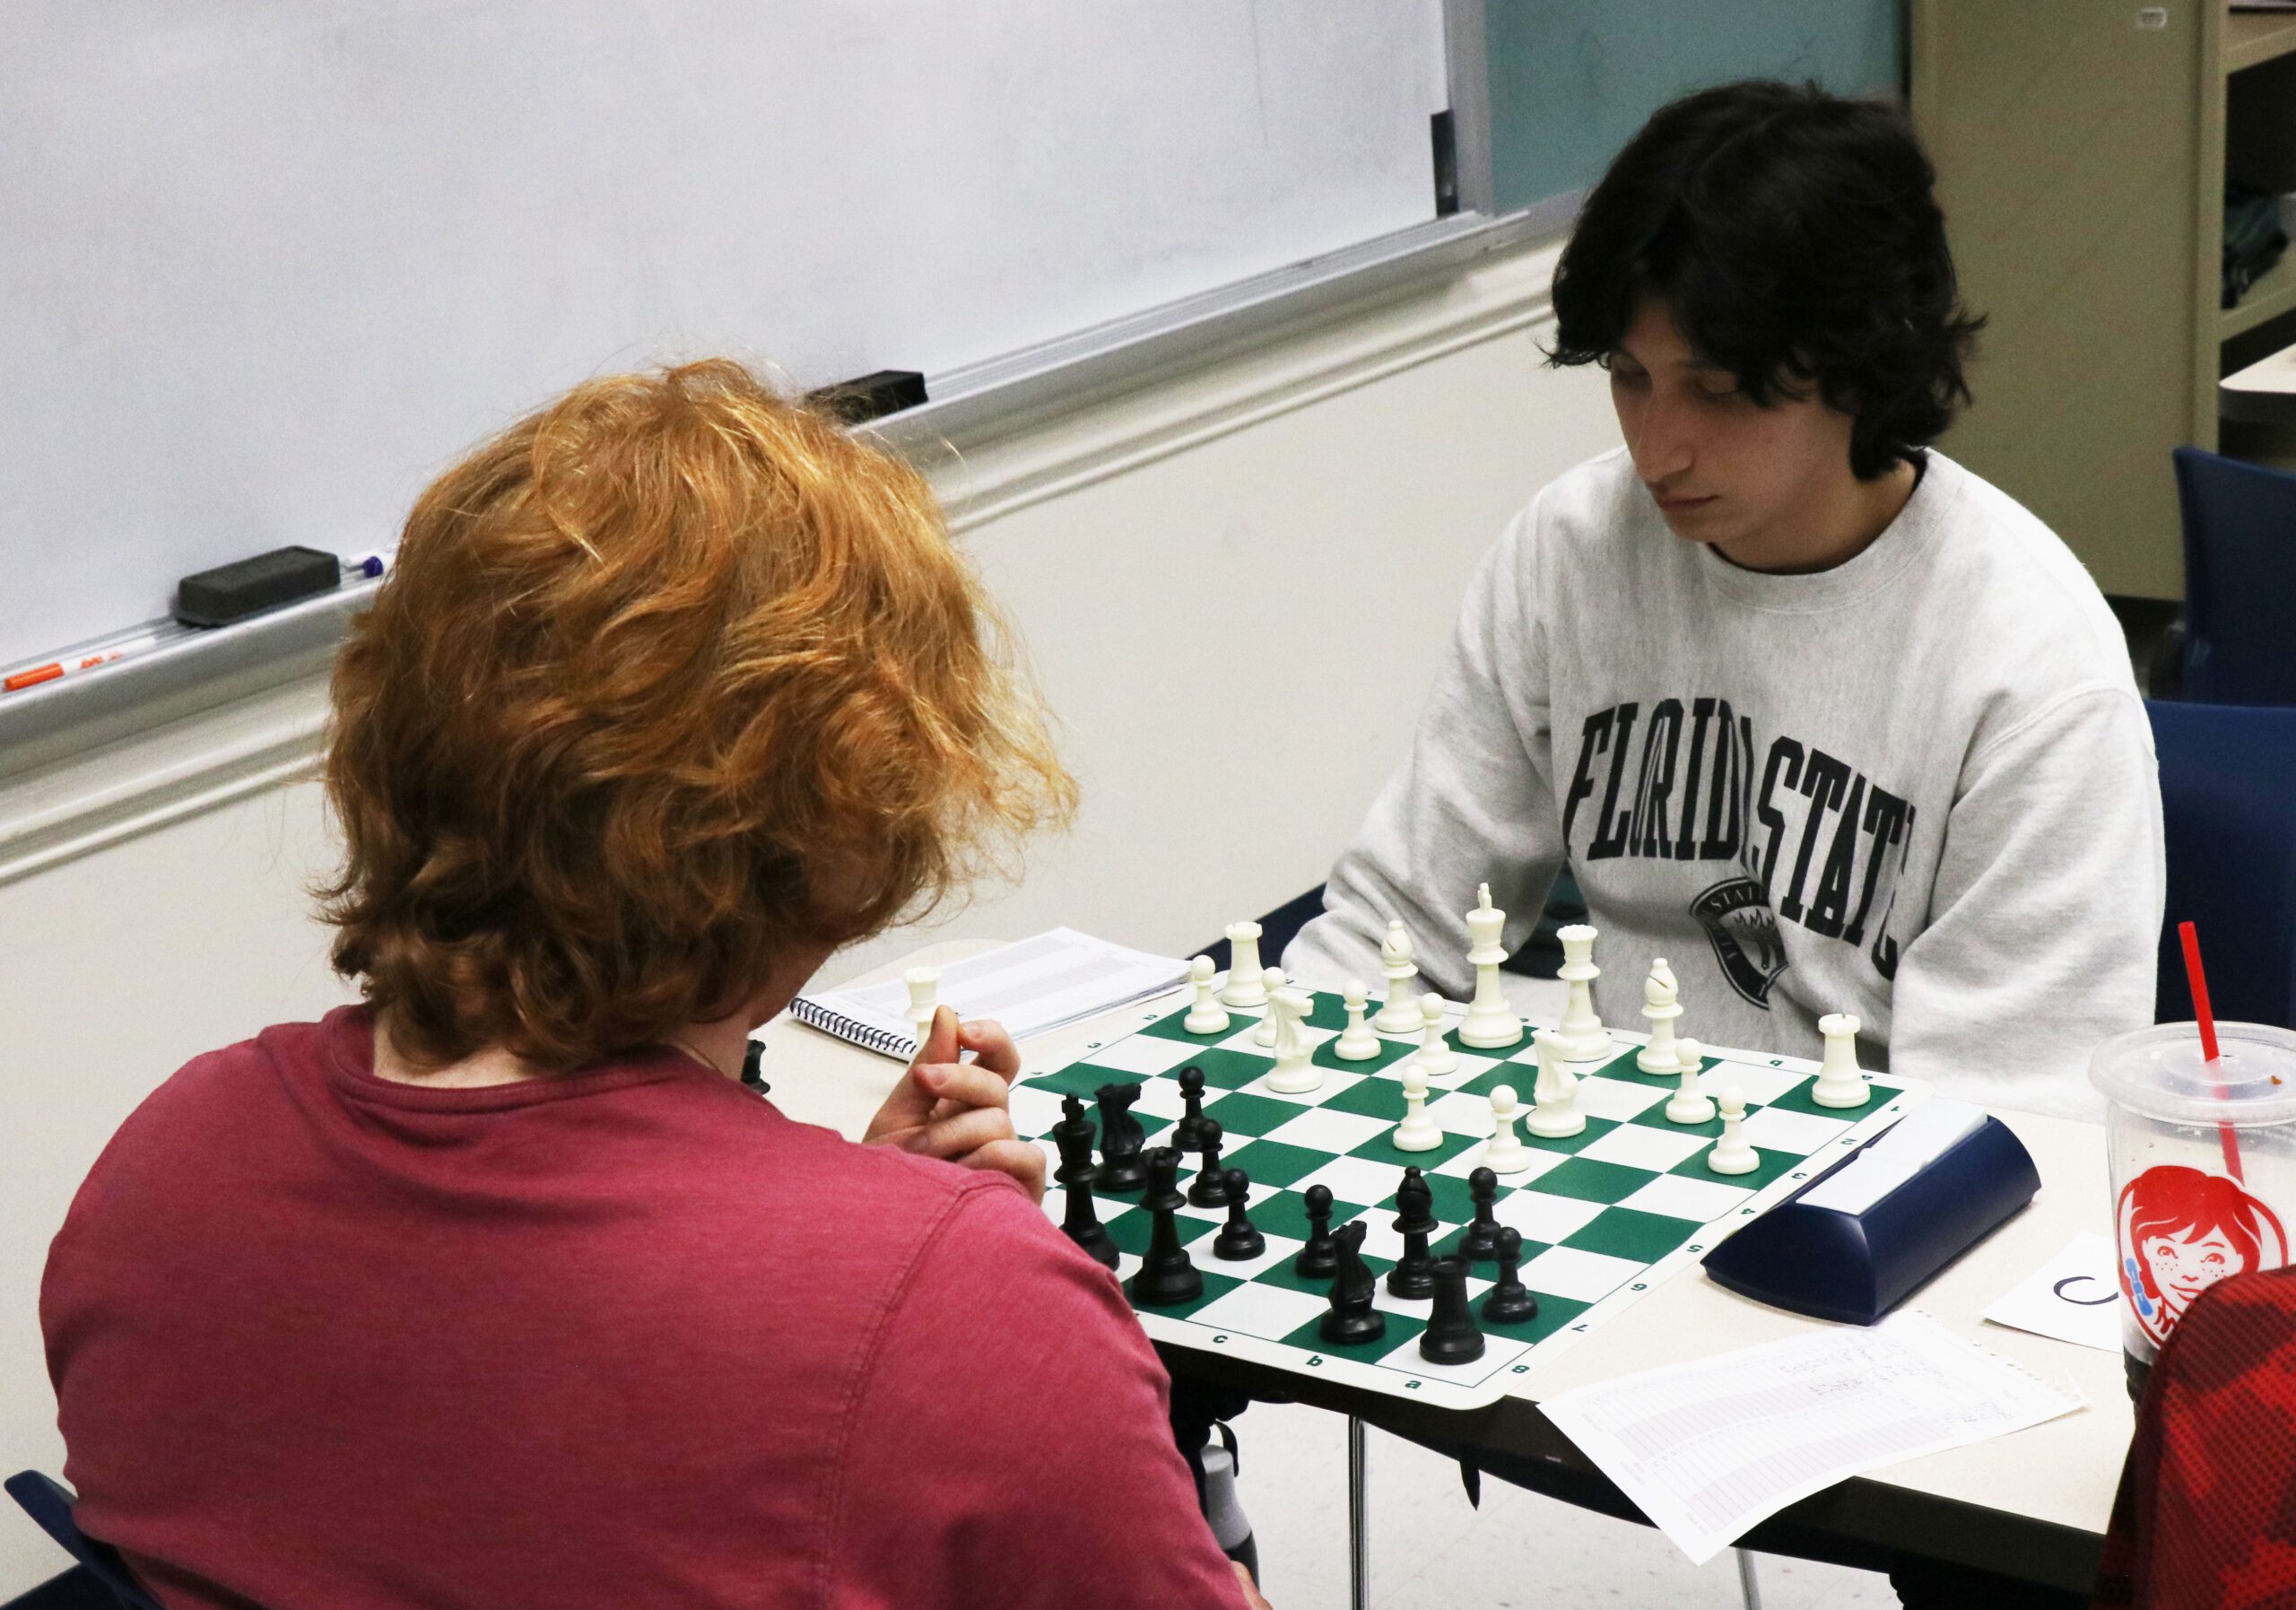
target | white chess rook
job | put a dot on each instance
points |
(1400, 1015)
(1840, 1082)
(1554, 1111)
(1356, 1042)
(1417, 1132)
(1490, 1021)
(1271, 984)
(1207, 1015)
(1731, 1155)
(1506, 1153)
(924, 995)
(1435, 1058)
(1690, 1104)
(1579, 1036)
(1661, 1005)
(1295, 1072)
(1244, 986)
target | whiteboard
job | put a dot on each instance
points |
(267, 265)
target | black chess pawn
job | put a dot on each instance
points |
(1208, 1188)
(1352, 1319)
(1188, 1135)
(1480, 1245)
(1074, 1135)
(1413, 1275)
(1121, 1172)
(1510, 1301)
(1450, 1337)
(1239, 1238)
(1320, 1256)
(1167, 1275)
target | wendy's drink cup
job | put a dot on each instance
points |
(2204, 1167)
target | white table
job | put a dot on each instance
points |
(2034, 1504)
(2264, 392)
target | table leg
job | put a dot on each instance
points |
(1749, 1590)
(1359, 1519)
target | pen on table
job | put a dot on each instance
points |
(363, 567)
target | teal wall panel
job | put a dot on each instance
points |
(1571, 80)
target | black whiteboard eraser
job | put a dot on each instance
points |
(871, 397)
(233, 592)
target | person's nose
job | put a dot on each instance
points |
(1664, 447)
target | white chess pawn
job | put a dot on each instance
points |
(1417, 1132)
(1400, 1015)
(1579, 1036)
(1244, 987)
(1435, 1056)
(1490, 1022)
(1554, 1111)
(1356, 1042)
(1731, 1155)
(1272, 981)
(1207, 1016)
(1690, 1104)
(1840, 1082)
(1506, 1153)
(1295, 1072)
(924, 993)
(1661, 1004)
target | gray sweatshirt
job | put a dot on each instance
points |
(1918, 787)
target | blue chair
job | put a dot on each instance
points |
(99, 1581)
(2228, 796)
(2240, 528)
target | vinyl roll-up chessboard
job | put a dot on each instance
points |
(1604, 1215)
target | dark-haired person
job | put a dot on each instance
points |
(498, 1288)
(1810, 710)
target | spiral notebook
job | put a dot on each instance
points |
(1030, 986)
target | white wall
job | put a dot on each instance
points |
(1234, 589)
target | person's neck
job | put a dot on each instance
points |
(1839, 522)
(718, 1046)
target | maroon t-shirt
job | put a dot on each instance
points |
(624, 1337)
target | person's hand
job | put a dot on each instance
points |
(1252, 1599)
(953, 1110)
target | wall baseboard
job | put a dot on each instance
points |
(85, 803)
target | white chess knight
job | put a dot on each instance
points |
(1731, 1155)
(1840, 1082)
(1661, 1004)
(1690, 1104)
(1579, 1036)
(1207, 1015)
(923, 996)
(1400, 1015)
(1244, 987)
(1356, 1042)
(1272, 984)
(1490, 1022)
(1506, 1153)
(1417, 1132)
(1295, 1072)
(1554, 1111)
(1435, 1058)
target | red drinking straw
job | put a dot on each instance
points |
(2199, 982)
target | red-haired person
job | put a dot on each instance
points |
(2182, 1230)
(498, 1288)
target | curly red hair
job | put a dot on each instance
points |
(669, 678)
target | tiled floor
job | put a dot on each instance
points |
(1431, 1550)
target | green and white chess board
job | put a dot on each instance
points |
(1604, 1215)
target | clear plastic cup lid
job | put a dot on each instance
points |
(2160, 1072)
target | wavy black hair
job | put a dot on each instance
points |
(1796, 238)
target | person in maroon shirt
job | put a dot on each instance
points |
(499, 1288)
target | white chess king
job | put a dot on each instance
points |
(1490, 1021)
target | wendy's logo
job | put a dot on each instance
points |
(2181, 1231)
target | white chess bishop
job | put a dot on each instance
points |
(1244, 986)
(1554, 1109)
(1400, 1015)
(1840, 1082)
(1579, 1036)
(1207, 1015)
(1356, 1042)
(1661, 1005)
(1417, 1132)
(1490, 1022)
(1435, 1058)
(1506, 1153)
(1295, 1072)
